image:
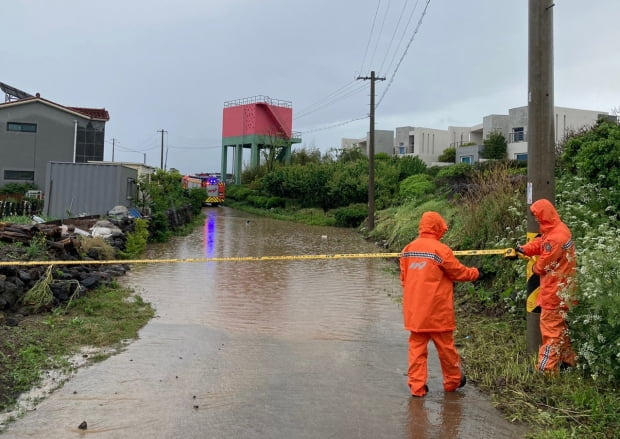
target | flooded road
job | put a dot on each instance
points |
(263, 349)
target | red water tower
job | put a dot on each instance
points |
(256, 123)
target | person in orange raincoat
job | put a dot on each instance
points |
(428, 270)
(557, 268)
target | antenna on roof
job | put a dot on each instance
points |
(13, 94)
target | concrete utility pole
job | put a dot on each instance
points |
(113, 143)
(541, 137)
(371, 149)
(161, 166)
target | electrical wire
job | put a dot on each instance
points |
(311, 108)
(402, 36)
(404, 54)
(370, 36)
(333, 101)
(339, 124)
(372, 57)
(124, 149)
(194, 147)
(389, 49)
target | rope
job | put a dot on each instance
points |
(504, 251)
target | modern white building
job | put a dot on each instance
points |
(384, 142)
(429, 143)
(513, 127)
(426, 143)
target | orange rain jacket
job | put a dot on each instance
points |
(557, 263)
(428, 269)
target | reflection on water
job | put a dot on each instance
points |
(432, 418)
(336, 298)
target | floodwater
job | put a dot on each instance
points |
(263, 349)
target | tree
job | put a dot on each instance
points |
(494, 147)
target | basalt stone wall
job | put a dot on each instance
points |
(67, 281)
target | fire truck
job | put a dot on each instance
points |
(214, 188)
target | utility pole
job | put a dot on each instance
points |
(541, 138)
(371, 149)
(113, 143)
(161, 166)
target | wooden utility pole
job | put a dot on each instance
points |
(113, 143)
(541, 135)
(371, 150)
(161, 166)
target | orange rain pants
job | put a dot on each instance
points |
(448, 357)
(555, 348)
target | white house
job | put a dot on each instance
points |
(426, 143)
(513, 127)
(384, 142)
(429, 143)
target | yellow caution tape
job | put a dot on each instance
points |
(533, 287)
(507, 252)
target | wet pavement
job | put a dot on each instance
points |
(269, 349)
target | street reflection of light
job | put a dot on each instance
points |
(209, 234)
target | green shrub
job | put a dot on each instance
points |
(416, 186)
(448, 155)
(159, 228)
(410, 166)
(17, 188)
(595, 155)
(351, 216)
(494, 147)
(259, 201)
(238, 192)
(196, 197)
(457, 171)
(275, 202)
(399, 225)
(136, 240)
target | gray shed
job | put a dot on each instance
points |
(73, 189)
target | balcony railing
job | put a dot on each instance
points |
(517, 136)
(259, 99)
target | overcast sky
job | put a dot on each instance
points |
(171, 65)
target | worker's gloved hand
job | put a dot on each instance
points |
(519, 249)
(481, 275)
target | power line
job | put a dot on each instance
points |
(339, 124)
(389, 49)
(404, 53)
(402, 35)
(333, 101)
(137, 150)
(194, 147)
(311, 108)
(370, 36)
(372, 57)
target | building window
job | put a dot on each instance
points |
(89, 144)
(131, 188)
(21, 127)
(522, 157)
(401, 150)
(467, 159)
(19, 175)
(519, 134)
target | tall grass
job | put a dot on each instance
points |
(486, 209)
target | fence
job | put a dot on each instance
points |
(26, 207)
